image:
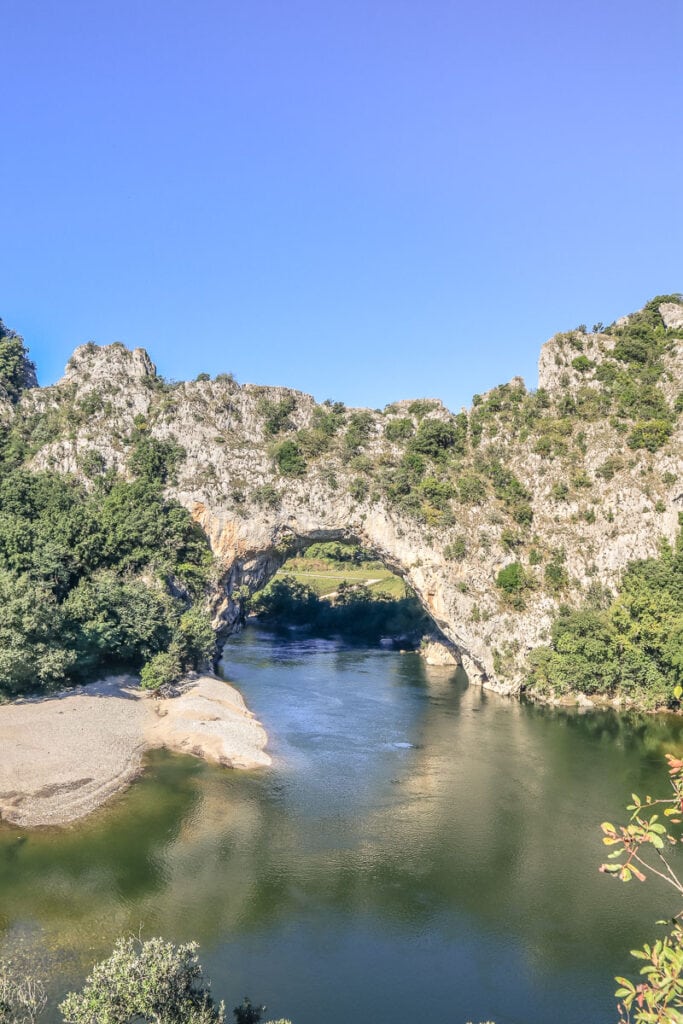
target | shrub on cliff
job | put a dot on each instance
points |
(289, 459)
(435, 438)
(512, 578)
(650, 434)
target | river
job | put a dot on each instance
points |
(421, 850)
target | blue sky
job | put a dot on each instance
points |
(365, 200)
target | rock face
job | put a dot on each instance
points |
(545, 480)
(672, 314)
(437, 653)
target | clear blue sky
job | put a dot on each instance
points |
(364, 199)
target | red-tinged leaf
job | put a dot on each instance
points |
(639, 874)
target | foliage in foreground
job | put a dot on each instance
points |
(632, 648)
(22, 999)
(642, 847)
(157, 982)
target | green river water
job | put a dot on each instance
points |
(420, 851)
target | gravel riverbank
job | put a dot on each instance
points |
(64, 755)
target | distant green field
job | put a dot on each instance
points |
(324, 576)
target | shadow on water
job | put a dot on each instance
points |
(409, 821)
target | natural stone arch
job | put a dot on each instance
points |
(231, 471)
(248, 567)
(253, 570)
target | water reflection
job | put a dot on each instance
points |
(408, 816)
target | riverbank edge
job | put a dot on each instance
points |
(66, 754)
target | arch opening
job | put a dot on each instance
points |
(333, 583)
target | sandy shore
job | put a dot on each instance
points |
(65, 755)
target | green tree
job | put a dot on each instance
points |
(163, 669)
(16, 369)
(631, 645)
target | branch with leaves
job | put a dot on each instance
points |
(640, 849)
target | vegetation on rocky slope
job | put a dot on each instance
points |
(631, 646)
(99, 578)
(498, 515)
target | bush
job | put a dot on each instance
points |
(556, 575)
(276, 414)
(399, 429)
(651, 435)
(435, 438)
(437, 492)
(148, 981)
(154, 460)
(613, 464)
(163, 669)
(195, 637)
(289, 459)
(512, 579)
(358, 489)
(360, 427)
(471, 489)
(267, 496)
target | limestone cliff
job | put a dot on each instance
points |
(566, 483)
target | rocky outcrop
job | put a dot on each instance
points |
(209, 720)
(437, 653)
(672, 314)
(545, 480)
